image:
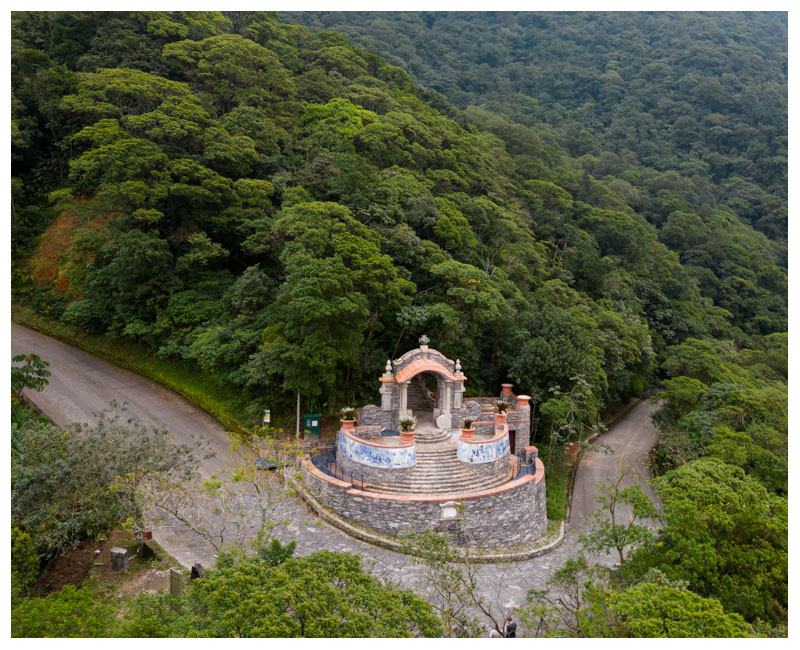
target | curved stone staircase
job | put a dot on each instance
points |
(438, 471)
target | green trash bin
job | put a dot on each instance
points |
(311, 424)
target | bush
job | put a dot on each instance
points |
(70, 613)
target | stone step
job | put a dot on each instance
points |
(438, 471)
(432, 437)
(416, 399)
(439, 487)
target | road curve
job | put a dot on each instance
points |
(81, 384)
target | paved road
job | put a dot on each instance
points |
(81, 384)
(631, 438)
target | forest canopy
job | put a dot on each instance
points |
(585, 204)
(285, 210)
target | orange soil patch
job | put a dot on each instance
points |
(47, 260)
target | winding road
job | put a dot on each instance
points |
(82, 384)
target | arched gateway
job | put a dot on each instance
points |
(446, 404)
(393, 485)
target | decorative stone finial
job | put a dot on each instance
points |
(387, 373)
(458, 366)
(424, 340)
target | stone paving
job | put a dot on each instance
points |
(504, 586)
(81, 384)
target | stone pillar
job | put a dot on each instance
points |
(531, 454)
(119, 559)
(524, 425)
(438, 408)
(458, 397)
(387, 392)
(403, 399)
(447, 396)
(175, 582)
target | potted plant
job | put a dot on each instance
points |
(407, 427)
(348, 417)
(500, 409)
(467, 430)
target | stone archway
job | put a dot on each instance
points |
(442, 415)
(449, 402)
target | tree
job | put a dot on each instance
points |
(69, 484)
(338, 288)
(24, 562)
(33, 374)
(580, 602)
(236, 508)
(606, 533)
(131, 279)
(651, 610)
(573, 605)
(725, 535)
(572, 414)
(69, 613)
(453, 585)
(324, 594)
(233, 71)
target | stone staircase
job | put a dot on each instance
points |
(438, 471)
(416, 398)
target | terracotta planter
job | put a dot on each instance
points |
(407, 436)
(467, 434)
(348, 424)
(499, 418)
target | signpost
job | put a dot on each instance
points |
(311, 425)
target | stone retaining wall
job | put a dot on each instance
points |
(511, 514)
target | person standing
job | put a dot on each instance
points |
(510, 629)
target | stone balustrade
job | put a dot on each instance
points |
(488, 454)
(375, 461)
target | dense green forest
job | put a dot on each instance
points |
(702, 95)
(583, 204)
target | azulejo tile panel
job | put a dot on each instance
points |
(483, 452)
(377, 456)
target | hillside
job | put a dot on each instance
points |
(701, 94)
(282, 211)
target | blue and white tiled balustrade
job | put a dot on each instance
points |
(484, 451)
(377, 456)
